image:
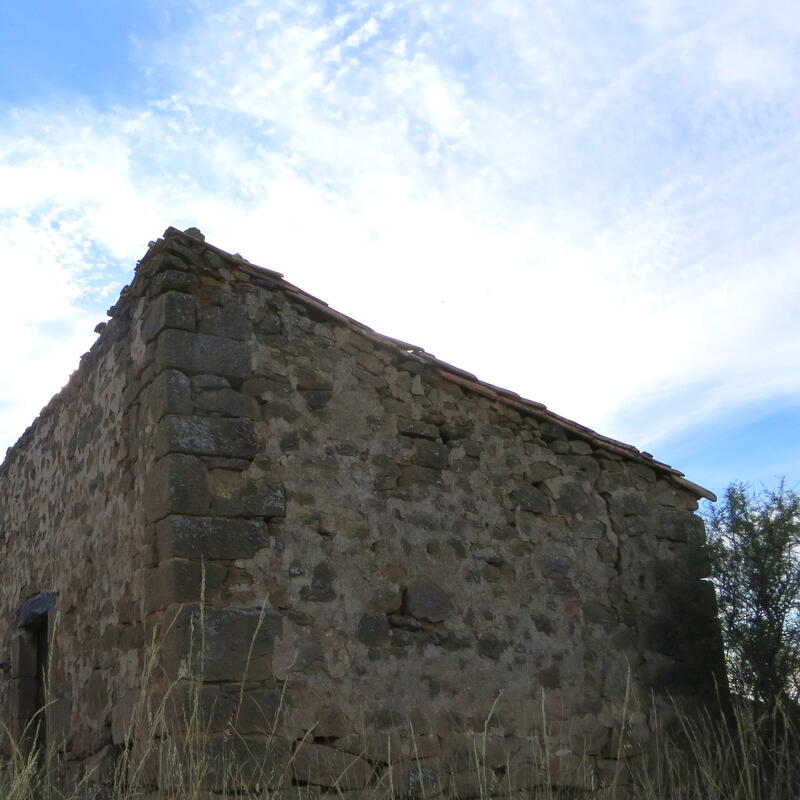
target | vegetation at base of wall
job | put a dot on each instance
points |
(752, 753)
(754, 544)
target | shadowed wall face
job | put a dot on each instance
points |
(378, 541)
(74, 553)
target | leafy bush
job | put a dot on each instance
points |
(754, 542)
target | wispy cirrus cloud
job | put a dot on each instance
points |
(598, 210)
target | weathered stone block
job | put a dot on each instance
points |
(679, 526)
(551, 432)
(127, 711)
(315, 400)
(269, 326)
(624, 504)
(490, 646)
(373, 629)
(289, 441)
(202, 383)
(339, 521)
(177, 484)
(471, 783)
(624, 744)
(402, 744)
(431, 454)
(181, 581)
(461, 751)
(418, 476)
(198, 708)
(226, 402)
(472, 448)
(573, 499)
(321, 588)
(599, 614)
(427, 600)
(170, 310)
(169, 393)
(235, 494)
(555, 562)
(172, 280)
(586, 466)
(455, 431)
(222, 644)
(261, 711)
(590, 529)
(59, 722)
(541, 471)
(550, 677)
(195, 353)
(693, 558)
(99, 771)
(562, 772)
(326, 766)
(308, 379)
(613, 478)
(225, 321)
(532, 499)
(206, 436)
(417, 778)
(264, 387)
(209, 537)
(632, 526)
(220, 462)
(230, 764)
(418, 430)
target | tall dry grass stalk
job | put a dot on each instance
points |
(170, 754)
(752, 753)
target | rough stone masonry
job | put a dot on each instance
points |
(367, 541)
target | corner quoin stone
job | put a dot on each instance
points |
(199, 353)
(176, 485)
(209, 537)
(235, 496)
(236, 643)
(206, 436)
(170, 310)
(169, 393)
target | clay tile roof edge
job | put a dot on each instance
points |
(461, 377)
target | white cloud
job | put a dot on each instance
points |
(578, 209)
(41, 327)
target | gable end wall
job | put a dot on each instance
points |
(369, 544)
(381, 545)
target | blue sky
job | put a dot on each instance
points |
(596, 206)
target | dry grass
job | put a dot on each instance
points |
(170, 754)
(751, 757)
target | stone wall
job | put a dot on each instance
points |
(414, 548)
(71, 524)
(380, 543)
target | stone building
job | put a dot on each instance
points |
(381, 543)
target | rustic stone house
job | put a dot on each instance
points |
(380, 540)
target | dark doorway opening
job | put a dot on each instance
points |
(33, 641)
